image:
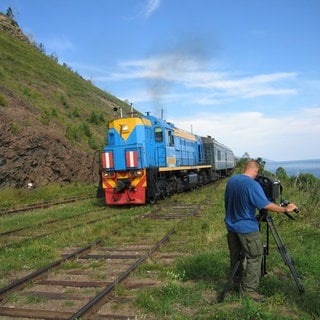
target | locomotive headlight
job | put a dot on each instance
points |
(109, 174)
(139, 173)
(124, 128)
(135, 173)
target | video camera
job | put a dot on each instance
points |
(271, 187)
(273, 190)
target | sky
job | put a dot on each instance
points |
(246, 72)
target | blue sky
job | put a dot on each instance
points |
(246, 72)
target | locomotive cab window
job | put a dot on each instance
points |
(158, 134)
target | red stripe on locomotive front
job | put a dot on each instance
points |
(107, 160)
(131, 159)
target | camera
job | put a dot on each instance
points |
(271, 187)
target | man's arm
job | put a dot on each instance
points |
(276, 208)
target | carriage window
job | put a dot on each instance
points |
(219, 155)
(158, 134)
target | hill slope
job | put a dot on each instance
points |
(52, 121)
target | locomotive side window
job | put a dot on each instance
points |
(170, 138)
(158, 134)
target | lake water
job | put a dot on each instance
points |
(294, 168)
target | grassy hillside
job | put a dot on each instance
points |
(39, 97)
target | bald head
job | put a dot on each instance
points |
(251, 169)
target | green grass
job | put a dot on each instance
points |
(12, 197)
(200, 275)
(190, 286)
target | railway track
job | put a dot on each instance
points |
(43, 205)
(83, 280)
(18, 236)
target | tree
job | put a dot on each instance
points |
(261, 164)
(281, 173)
(41, 48)
(246, 156)
(10, 14)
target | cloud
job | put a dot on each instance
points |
(290, 137)
(168, 71)
(201, 96)
(144, 9)
(149, 7)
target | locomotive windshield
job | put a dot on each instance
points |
(158, 134)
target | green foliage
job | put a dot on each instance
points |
(15, 128)
(261, 164)
(64, 102)
(307, 182)
(33, 256)
(164, 300)
(206, 266)
(3, 101)
(96, 119)
(12, 196)
(84, 127)
(281, 173)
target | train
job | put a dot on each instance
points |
(147, 158)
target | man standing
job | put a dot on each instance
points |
(243, 195)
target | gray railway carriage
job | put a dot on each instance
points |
(220, 157)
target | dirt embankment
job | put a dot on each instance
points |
(35, 153)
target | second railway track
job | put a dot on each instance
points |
(83, 281)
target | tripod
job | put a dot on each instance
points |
(264, 216)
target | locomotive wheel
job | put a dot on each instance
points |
(164, 194)
(163, 188)
(152, 200)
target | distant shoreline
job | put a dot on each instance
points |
(294, 168)
(304, 160)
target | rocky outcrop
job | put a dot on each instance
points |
(40, 156)
(10, 26)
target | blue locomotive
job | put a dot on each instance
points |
(147, 158)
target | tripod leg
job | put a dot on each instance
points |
(284, 253)
(265, 253)
(234, 271)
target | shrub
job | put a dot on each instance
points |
(3, 101)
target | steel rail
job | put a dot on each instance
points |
(39, 236)
(42, 205)
(96, 303)
(38, 273)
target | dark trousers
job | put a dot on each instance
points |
(250, 246)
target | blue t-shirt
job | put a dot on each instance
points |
(243, 196)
